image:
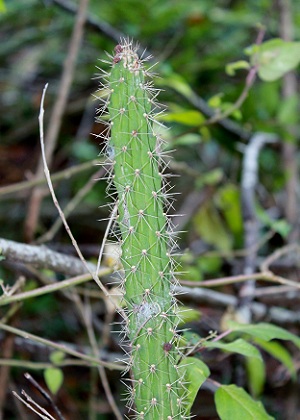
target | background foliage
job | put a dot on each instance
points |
(193, 42)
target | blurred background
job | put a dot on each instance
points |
(191, 42)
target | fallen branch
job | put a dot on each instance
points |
(43, 257)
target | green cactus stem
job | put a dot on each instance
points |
(157, 388)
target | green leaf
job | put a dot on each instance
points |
(233, 403)
(239, 346)
(288, 110)
(177, 82)
(280, 353)
(228, 199)
(54, 378)
(265, 331)
(190, 117)
(212, 177)
(187, 140)
(2, 6)
(280, 226)
(256, 373)
(276, 57)
(209, 264)
(231, 68)
(192, 338)
(83, 151)
(186, 314)
(196, 373)
(210, 227)
(57, 356)
(215, 101)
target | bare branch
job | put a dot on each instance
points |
(58, 176)
(64, 348)
(43, 257)
(57, 113)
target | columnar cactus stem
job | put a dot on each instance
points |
(157, 384)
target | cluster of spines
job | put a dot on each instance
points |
(157, 388)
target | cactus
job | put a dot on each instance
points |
(157, 383)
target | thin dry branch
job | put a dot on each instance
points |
(61, 213)
(48, 236)
(56, 116)
(264, 275)
(94, 275)
(58, 176)
(62, 347)
(203, 296)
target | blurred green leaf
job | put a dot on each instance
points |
(178, 83)
(239, 346)
(190, 117)
(228, 200)
(234, 113)
(210, 264)
(192, 338)
(231, 68)
(212, 177)
(210, 227)
(233, 403)
(256, 375)
(54, 378)
(190, 139)
(57, 356)
(288, 112)
(280, 353)
(215, 101)
(84, 150)
(2, 6)
(281, 226)
(275, 58)
(186, 314)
